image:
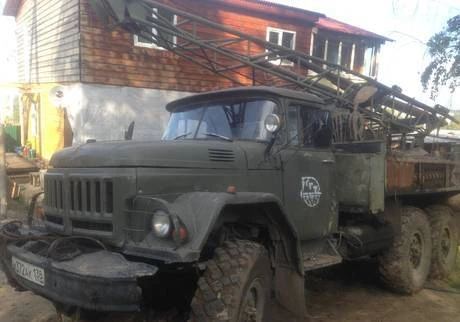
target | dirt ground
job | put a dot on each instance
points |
(348, 292)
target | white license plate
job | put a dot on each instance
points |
(29, 272)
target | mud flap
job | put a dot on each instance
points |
(290, 291)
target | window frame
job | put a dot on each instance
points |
(300, 106)
(278, 106)
(280, 32)
(139, 43)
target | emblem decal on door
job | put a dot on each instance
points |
(310, 191)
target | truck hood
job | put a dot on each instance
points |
(170, 154)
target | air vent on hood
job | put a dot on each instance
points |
(219, 155)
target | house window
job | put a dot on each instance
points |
(319, 47)
(283, 38)
(370, 62)
(328, 49)
(346, 55)
(350, 55)
(333, 51)
(158, 39)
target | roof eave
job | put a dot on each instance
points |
(337, 26)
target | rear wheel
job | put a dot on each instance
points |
(235, 286)
(405, 266)
(444, 236)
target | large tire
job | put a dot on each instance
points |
(444, 237)
(236, 285)
(405, 266)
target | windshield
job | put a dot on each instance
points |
(244, 120)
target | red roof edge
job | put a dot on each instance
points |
(342, 27)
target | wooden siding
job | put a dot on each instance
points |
(48, 41)
(111, 58)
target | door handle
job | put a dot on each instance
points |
(328, 161)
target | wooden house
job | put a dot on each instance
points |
(83, 81)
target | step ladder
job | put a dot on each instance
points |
(319, 254)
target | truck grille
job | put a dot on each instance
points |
(54, 194)
(83, 195)
(91, 196)
(88, 202)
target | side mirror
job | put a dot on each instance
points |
(272, 123)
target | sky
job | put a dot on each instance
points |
(410, 23)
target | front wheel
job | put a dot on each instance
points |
(235, 286)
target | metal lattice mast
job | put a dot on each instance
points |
(247, 60)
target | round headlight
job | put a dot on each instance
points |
(161, 224)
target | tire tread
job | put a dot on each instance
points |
(439, 215)
(392, 262)
(215, 298)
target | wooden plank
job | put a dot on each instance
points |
(43, 7)
(61, 61)
(17, 164)
(64, 44)
(42, 28)
(57, 33)
(157, 85)
(152, 71)
(64, 77)
(58, 48)
(153, 76)
(51, 55)
(53, 35)
(45, 70)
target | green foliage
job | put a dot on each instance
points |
(444, 68)
(453, 125)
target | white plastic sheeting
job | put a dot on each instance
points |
(104, 112)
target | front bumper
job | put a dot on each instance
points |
(100, 281)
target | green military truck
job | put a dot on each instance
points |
(247, 191)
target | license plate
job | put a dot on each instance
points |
(29, 272)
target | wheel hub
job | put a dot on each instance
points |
(415, 250)
(253, 303)
(445, 242)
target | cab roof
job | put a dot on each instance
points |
(245, 92)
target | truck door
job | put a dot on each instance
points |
(308, 168)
